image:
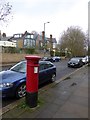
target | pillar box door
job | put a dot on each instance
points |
(32, 76)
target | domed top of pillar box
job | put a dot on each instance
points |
(33, 57)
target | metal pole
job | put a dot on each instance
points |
(44, 27)
(44, 37)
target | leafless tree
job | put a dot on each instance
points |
(5, 11)
(73, 39)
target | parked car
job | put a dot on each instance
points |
(13, 82)
(85, 60)
(75, 62)
(44, 58)
(56, 59)
(47, 59)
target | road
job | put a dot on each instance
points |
(62, 70)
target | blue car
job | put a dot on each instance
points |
(13, 81)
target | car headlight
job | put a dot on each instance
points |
(5, 85)
(83, 60)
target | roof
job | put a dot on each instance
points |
(46, 38)
(53, 40)
(21, 35)
(5, 38)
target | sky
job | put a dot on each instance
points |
(31, 15)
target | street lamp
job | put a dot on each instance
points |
(44, 37)
(45, 24)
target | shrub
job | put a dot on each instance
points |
(10, 50)
(57, 53)
(29, 50)
(18, 50)
(51, 53)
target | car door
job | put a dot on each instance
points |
(42, 73)
(80, 63)
(48, 71)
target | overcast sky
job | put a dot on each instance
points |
(32, 14)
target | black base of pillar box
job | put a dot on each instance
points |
(31, 99)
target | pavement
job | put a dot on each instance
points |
(66, 98)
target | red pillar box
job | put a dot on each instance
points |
(32, 80)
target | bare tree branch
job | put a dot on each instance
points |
(5, 11)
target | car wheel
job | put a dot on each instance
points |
(68, 65)
(53, 78)
(21, 91)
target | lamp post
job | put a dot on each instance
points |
(44, 37)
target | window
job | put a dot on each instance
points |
(48, 65)
(29, 42)
(45, 66)
(31, 36)
(17, 35)
(20, 67)
(41, 67)
(28, 36)
(25, 42)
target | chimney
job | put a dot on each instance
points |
(43, 34)
(51, 38)
(4, 35)
(51, 42)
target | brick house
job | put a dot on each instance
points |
(25, 40)
(50, 43)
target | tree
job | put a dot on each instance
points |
(5, 11)
(73, 39)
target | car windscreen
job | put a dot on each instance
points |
(20, 67)
(74, 60)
